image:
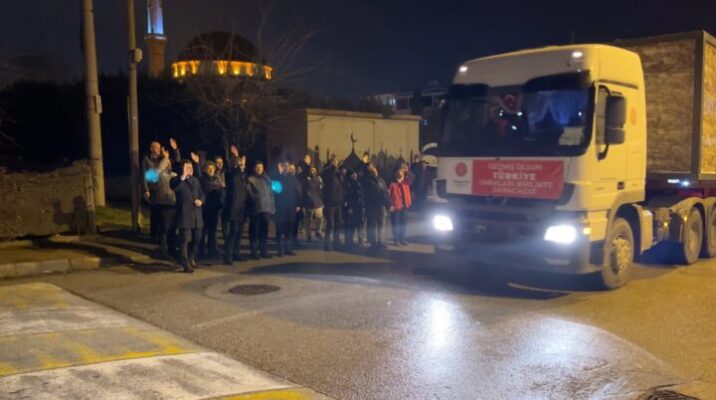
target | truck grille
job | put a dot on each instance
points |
(495, 216)
(492, 232)
(505, 224)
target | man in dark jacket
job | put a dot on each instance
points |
(354, 209)
(313, 204)
(305, 166)
(420, 184)
(262, 207)
(235, 208)
(154, 164)
(333, 201)
(362, 168)
(377, 199)
(288, 193)
(189, 219)
(164, 198)
(221, 172)
(213, 186)
(298, 214)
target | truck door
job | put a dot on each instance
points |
(611, 159)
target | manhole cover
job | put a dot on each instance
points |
(252, 290)
(663, 394)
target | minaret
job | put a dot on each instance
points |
(155, 38)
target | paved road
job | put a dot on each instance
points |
(55, 345)
(409, 325)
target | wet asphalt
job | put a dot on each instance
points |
(407, 324)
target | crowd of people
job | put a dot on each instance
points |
(191, 199)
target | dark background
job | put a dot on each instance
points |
(363, 47)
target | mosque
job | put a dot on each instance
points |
(316, 131)
(209, 54)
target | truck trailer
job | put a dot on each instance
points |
(580, 158)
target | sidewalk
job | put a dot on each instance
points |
(62, 254)
(56, 345)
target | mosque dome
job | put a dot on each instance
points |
(221, 54)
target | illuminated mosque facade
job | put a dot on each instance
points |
(209, 54)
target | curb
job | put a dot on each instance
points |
(33, 268)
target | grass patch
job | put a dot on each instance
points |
(119, 217)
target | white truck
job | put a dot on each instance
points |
(579, 158)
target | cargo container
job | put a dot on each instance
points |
(680, 80)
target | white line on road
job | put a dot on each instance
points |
(40, 320)
(184, 376)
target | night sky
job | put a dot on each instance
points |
(362, 47)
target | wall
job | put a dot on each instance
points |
(287, 138)
(42, 204)
(386, 138)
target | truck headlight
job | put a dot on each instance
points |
(442, 223)
(563, 234)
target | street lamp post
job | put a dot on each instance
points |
(94, 104)
(135, 56)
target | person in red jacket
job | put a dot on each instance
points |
(400, 202)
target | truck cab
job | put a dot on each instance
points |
(542, 161)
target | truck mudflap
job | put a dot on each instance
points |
(529, 254)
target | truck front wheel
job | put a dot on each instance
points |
(693, 238)
(618, 255)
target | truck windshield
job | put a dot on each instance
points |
(516, 121)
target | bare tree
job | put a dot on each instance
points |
(5, 139)
(242, 105)
(8, 73)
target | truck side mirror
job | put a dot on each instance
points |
(615, 119)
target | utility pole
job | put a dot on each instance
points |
(135, 56)
(94, 104)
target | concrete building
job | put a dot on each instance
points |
(324, 133)
(155, 38)
(424, 103)
(404, 102)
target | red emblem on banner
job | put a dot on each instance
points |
(513, 178)
(461, 169)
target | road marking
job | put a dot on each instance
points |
(26, 353)
(57, 345)
(41, 320)
(183, 376)
(31, 295)
(290, 394)
(39, 307)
